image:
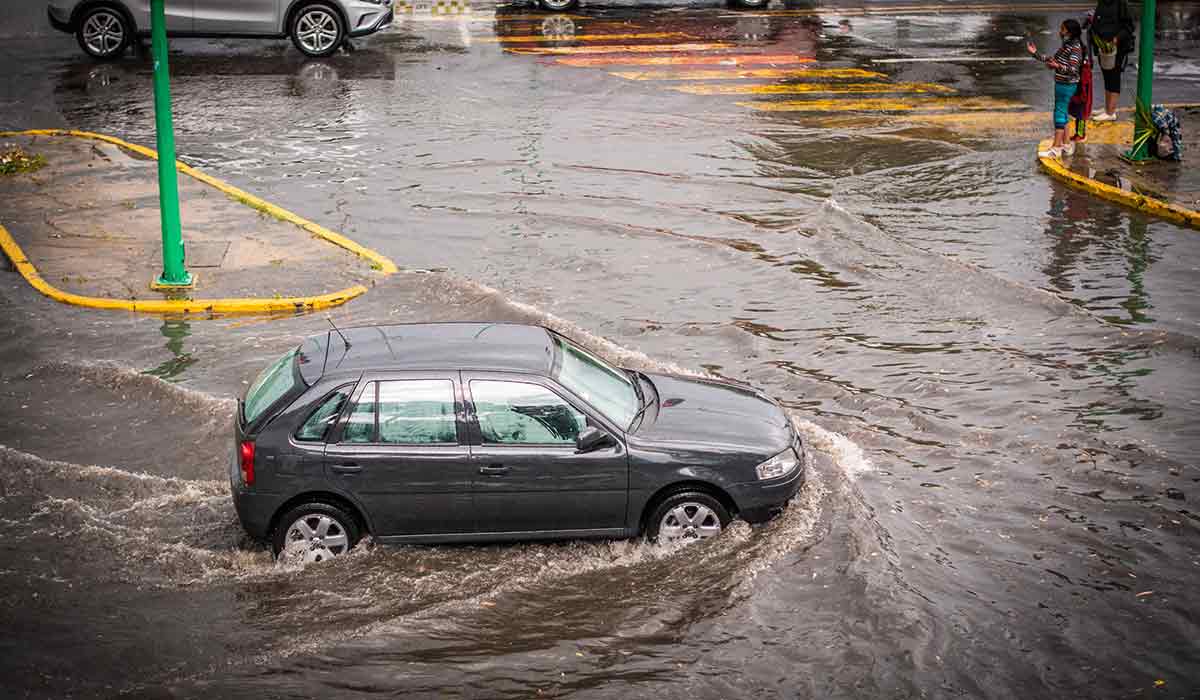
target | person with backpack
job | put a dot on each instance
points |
(1066, 64)
(1112, 37)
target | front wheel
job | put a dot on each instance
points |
(751, 4)
(687, 515)
(317, 30)
(314, 532)
(103, 33)
(558, 5)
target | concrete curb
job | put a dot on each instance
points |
(1141, 202)
(192, 306)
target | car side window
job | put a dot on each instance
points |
(318, 423)
(360, 425)
(417, 412)
(522, 413)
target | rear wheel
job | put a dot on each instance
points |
(317, 30)
(104, 32)
(558, 5)
(751, 4)
(315, 532)
(688, 514)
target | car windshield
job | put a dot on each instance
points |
(598, 383)
(274, 382)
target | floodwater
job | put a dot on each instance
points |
(998, 376)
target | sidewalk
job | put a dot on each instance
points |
(1164, 188)
(87, 225)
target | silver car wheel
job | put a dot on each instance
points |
(689, 521)
(103, 32)
(558, 5)
(316, 537)
(317, 30)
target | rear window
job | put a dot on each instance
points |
(274, 382)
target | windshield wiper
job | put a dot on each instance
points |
(645, 400)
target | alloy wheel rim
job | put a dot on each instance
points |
(689, 521)
(317, 30)
(316, 537)
(103, 33)
(557, 4)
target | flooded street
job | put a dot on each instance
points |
(997, 376)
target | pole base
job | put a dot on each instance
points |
(162, 285)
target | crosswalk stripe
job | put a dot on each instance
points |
(810, 88)
(535, 38)
(741, 74)
(703, 60)
(884, 105)
(616, 48)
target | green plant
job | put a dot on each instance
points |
(15, 160)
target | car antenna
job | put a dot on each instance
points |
(336, 330)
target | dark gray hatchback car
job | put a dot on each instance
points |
(457, 432)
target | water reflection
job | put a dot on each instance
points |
(176, 331)
(1084, 237)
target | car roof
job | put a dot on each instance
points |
(499, 347)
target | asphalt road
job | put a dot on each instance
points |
(840, 204)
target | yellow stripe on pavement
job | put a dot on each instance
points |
(535, 38)
(702, 60)
(806, 88)
(748, 73)
(883, 105)
(617, 48)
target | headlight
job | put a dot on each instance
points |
(777, 466)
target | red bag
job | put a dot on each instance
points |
(1080, 105)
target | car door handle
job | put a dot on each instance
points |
(345, 468)
(494, 470)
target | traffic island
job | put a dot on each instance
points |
(83, 228)
(1168, 189)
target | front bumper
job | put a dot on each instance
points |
(383, 21)
(759, 501)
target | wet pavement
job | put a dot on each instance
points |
(998, 374)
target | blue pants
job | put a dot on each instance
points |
(1063, 92)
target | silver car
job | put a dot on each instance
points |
(104, 28)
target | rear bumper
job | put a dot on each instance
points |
(759, 501)
(254, 510)
(62, 24)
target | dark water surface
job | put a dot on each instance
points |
(998, 375)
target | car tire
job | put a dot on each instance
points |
(104, 32)
(317, 30)
(558, 5)
(328, 530)
(751, 4)
(687, 514)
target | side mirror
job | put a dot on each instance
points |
(592, 438)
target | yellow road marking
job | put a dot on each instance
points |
(617, 48)
(704, 60)
(748, 73)
(535, 38)
(803, 88)
(883, 105)
(918, 9)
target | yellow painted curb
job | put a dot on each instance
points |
(1141, 202)
(171, 306)
(190, 306)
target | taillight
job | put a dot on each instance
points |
(247, 454)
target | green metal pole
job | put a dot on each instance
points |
(1143, 130)
(174, 274)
